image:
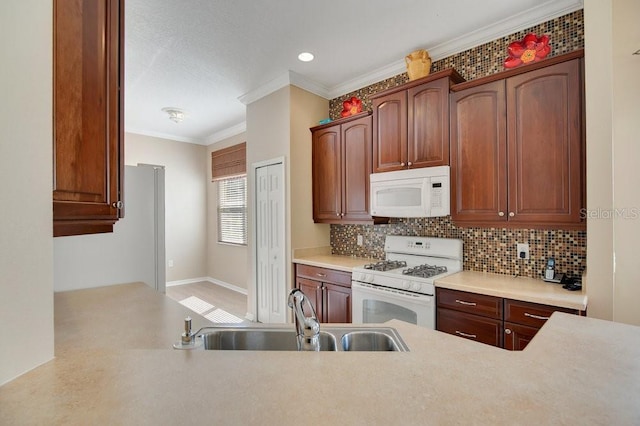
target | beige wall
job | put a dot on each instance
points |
(26, 243)
(613, 158)
(267, 138)
(185, 200)
(626, 159)
(226, 263)
(306, 110)
(278, 126)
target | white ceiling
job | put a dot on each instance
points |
(211, 57)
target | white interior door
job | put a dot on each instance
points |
(270, 244)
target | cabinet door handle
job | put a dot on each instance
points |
(470, 336)
(507, 331)
(527, 314)
(409, 164)
(338, 214)
(341, 214)
(462, 302)
(500, 214)
(402, 164)
(117, 204)
(318, 274)
(511, 214)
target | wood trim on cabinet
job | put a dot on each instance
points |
(516, 71)
(453, 76)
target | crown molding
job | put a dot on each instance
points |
(226, 133)
(534, 16)
(167, 136)
(286, 79)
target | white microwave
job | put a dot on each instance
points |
(420, 192)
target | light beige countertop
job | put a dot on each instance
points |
(114, 366)
(520, 288)
(322, 257)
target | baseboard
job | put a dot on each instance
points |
(188, 281)
(212, 281)
(227, 285)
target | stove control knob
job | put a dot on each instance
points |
(416, 287)
(406, 285)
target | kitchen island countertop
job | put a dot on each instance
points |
(576, 370)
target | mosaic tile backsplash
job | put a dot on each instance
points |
(485, 249)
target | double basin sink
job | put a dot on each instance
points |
(273, 338)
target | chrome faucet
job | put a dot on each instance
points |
(307, 327)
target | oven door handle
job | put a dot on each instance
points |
(358, 287)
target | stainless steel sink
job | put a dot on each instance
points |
(260, 339)
(283, 338)
(368, 341)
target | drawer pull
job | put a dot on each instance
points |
(527, 314)
(318, 274)
(462, 302)
(507, 331)
(470, 336)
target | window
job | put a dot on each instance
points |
(232, 210)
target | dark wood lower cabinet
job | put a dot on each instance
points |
(328, 290)
(506, 323)
(517, 337)
(472, 327)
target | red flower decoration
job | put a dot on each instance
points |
(529, 49)
(351, 107)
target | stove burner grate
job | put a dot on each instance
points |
(425, 271)
(386, 265)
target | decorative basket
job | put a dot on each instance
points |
(418, 64)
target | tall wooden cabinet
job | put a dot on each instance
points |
(517, 147)
(88, 115)
(341, 165)
(411, 123)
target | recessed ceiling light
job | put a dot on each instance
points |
(305, 56)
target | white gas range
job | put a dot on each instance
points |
(401, 287)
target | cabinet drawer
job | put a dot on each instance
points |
(477, 304)
(324, 275)
(531, 314)
(472, 327)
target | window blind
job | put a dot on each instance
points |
(229, 162)
(232, 210)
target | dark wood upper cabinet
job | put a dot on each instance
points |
(478, 153)
(545, 143)
(88, 115)
(517, 147)
(411, 123)
(341, 165)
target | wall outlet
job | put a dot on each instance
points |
(170, 263)
(360, 240)
(523, 250)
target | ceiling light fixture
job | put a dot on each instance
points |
(175, 114)
(305, 57)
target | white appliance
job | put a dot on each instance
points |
(420, 192)
(401, 287)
